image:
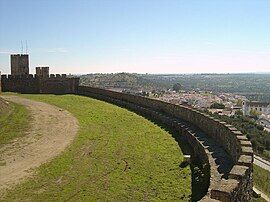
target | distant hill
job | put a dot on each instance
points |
(123, 81)
(254, 86)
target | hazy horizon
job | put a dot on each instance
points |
(155, 37)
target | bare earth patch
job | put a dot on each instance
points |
(52, 130)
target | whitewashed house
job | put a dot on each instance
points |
(260, 107)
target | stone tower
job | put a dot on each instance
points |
(42, 72)
(19, 64)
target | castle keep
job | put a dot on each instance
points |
(42, 82)
(19, 64)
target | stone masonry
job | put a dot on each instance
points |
(222, 147)
(42, 72)
(19, 64)
(55, 84)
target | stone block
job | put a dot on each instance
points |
(245, 143)
(247, 150)
(238, 172)
(245, 160)
(224, 191)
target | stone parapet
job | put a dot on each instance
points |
(55, 84)
(236, 183)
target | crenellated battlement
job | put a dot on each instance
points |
(30, 76)
(55, 83)
(62, 76)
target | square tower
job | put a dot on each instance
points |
(42, 72)
(19, 64)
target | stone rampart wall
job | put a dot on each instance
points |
(56, 84)
(238, 185)
(22, 84)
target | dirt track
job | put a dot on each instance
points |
(52, 130)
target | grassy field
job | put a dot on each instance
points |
(261, 179)
(258, 200)
(117, 156)
(13, 122)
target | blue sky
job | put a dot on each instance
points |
(144, 36)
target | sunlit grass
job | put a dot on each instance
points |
(117, 156)
(261, 179)
(13, 123)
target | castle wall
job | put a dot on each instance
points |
(0, 83)
(55, 84)
(238, 186)
(59, 84)
(22, 84)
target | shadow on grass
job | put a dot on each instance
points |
(199, 172)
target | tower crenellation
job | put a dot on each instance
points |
(42, 82)
(43, 72)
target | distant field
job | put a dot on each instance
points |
(14, 121)
(254, 86)
(117, 156)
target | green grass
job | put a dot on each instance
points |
(117, 156)
(13, 123)
(258, 200)
(261, 179)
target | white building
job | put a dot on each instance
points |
(260, 107)
(264, 122)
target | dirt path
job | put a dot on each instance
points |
(52, 130)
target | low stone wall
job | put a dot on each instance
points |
(238, 185)
(56, 84)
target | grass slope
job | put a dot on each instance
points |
(117, 156)
(261, 179)
(258, 200)
(4, 107)
(13, 122)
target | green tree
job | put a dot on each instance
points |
(238, 113)
(177, 87)
(217, 105)
(239, 103)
